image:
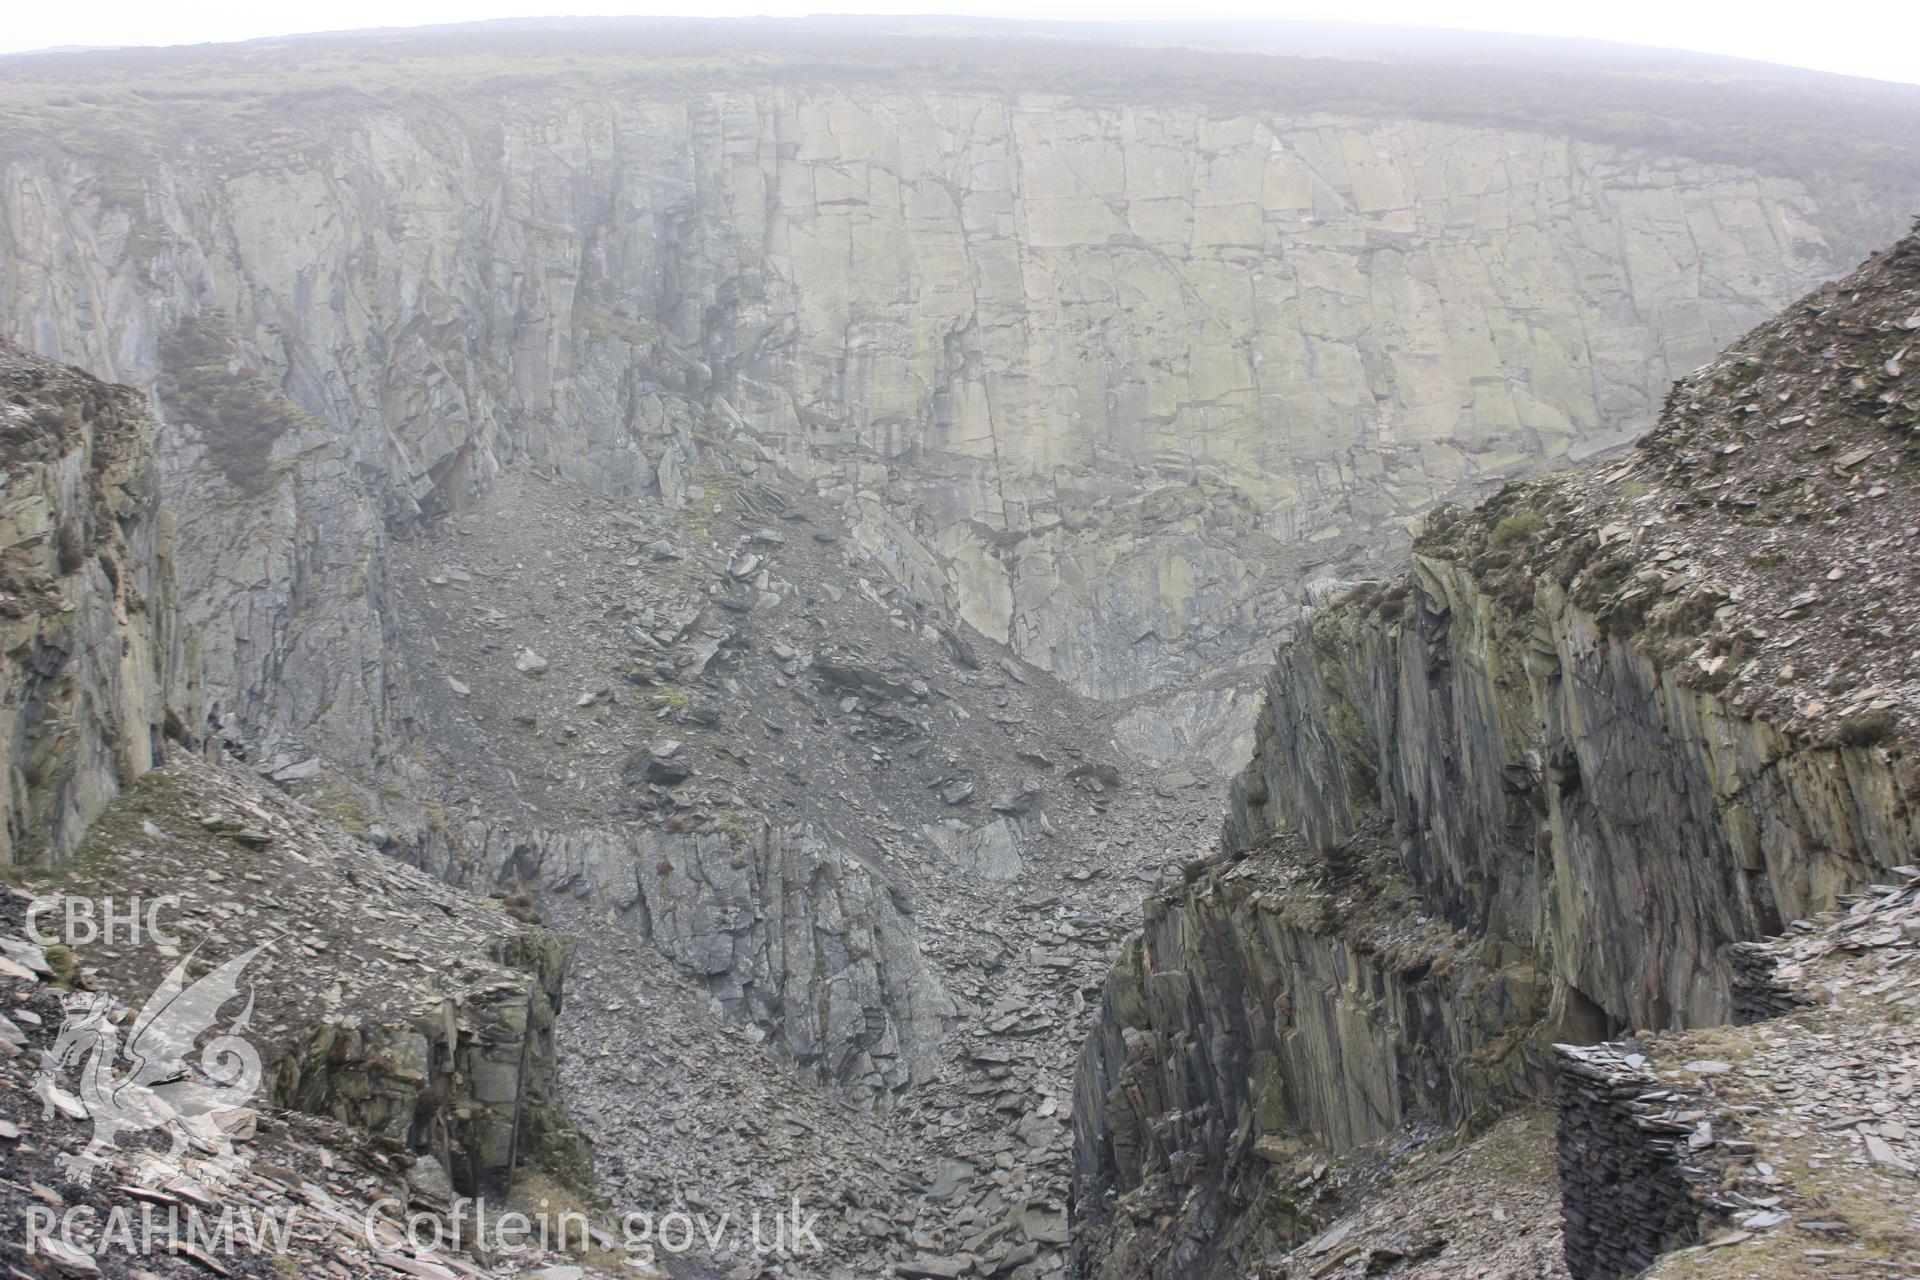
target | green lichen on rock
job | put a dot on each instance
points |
(1515, 527)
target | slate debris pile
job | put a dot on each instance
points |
(323, 1181)
(1484, 1209)
(384, 998)
(692, 1114)
(747, 663)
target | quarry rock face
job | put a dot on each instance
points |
(787, 933)
(1109, 383)
(94, 658)
(1530, 763)
(420, 1016)
(1549, 786)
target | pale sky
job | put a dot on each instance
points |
(1876, 38)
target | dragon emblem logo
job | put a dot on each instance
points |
(159, 1089)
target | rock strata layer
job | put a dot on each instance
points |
(1580, 731)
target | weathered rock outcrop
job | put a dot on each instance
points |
(92, 654)
(325, 1192)
(400, 1007)
(1584, 727)
(1552, 786)
(1593, 831)
(791, 935)
(281, 565)
(1280, 1007)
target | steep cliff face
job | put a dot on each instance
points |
(420, 1016)
(93, 659)
(1283, 1008)
(1606, 728)
(1552, 786)
(1108, 380)
(281, 564)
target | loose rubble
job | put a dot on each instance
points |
(705, 715)
(1764, 540)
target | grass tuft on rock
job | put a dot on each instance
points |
(1516, 527)
(240, 414)
(1869, 728)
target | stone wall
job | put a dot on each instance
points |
(1634, 1181)
(1759, 993)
